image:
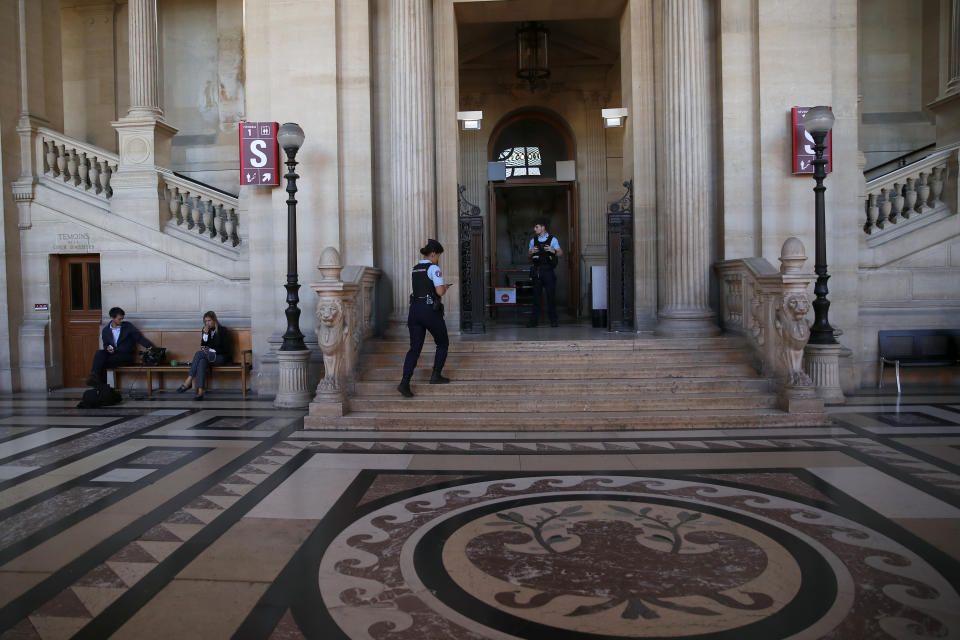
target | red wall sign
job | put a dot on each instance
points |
(803, 154)
(259, 154)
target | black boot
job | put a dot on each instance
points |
(404, 387)
(436, 378)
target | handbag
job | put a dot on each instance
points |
(154, 356)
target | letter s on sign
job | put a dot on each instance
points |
(259, 158)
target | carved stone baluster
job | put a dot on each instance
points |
(909, 198)
(84, 171)
(73, 167)
(106, 172)
(872, 213)
(923, 192)
(197, 205)
(62, 162)
(219, 223)
(173, 202)
(233, 221)
(215, 222)
(186, 209)
(94, 176)
(885, 207)
(936, 186)
(51, 157)
(208, 221)
(896, 203)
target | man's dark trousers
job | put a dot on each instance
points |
(547, 281)
(103, 360)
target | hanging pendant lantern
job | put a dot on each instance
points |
(532, 53)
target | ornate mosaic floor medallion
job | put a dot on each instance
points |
(624, 557)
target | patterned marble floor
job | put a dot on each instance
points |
(161, 519)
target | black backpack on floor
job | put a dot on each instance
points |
(101, 396)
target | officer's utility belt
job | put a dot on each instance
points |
(434, 302)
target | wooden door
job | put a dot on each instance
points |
(80, 314)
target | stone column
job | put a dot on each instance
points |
(143, 136)
(593, 178)
(953, 83)
(411, 142)
(144, 67)
(683, 183)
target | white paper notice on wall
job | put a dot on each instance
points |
(598, 277)
(566, 170)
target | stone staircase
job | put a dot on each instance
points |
(571, 385)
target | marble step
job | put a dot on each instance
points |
(520, 404)
(574, 421)
(611, 386)
(569, 358)
(592, 371)
(623, 344)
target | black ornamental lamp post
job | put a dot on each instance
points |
(290, 138)
(818, 121)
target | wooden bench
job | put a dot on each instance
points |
(181, 344)
(918, 348)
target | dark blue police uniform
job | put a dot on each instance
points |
(423, 317)
(544, 277)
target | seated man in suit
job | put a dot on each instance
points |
(120, 341)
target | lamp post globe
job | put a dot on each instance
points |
(290, 138)
(817, 122)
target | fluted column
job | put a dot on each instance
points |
(953, 83)
(593, 216)
(683, 182)
(411, 140)
(144, 68)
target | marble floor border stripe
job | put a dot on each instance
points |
(27, 602)
(122, 490)
(80, 454)
(128, 604)
(894, 472)
(892, 441)
(298, 572)
(81, 431)
(755, 434)
(26, 432)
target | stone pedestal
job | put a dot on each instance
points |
(294, 390)
(822, 364)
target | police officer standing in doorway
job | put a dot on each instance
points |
(544, 251)
(426, 314)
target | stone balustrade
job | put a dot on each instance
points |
(201, 210)
(928, 186)
(344, 320)
(74, 163)
(769, 308)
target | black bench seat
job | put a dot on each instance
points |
(918, 348)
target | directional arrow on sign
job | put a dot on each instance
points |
(265, 177)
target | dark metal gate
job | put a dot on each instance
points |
(470, 236)
(620, 262)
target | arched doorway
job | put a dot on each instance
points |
(536, 151)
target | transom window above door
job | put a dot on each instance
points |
(522, 161)
(530, 144)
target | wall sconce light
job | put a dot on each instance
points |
(470, 120)
(613, 117)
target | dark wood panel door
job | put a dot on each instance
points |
(80, 314)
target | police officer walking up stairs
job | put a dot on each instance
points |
(426, 314)
(544, 251)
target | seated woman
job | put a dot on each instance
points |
(214, 350)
